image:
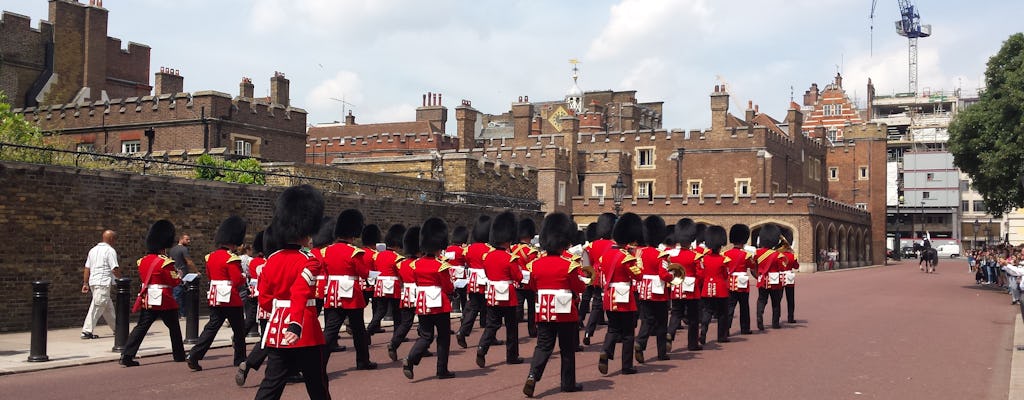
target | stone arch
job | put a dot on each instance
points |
(820, 243)
(858, 247)
(866, 238)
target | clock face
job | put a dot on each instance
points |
(555, 118)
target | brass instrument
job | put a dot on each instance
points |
(784, 246)
(589, 273)
(677, 270)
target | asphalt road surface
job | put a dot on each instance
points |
(875, 333)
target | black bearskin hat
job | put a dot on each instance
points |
(371, 235)
(482, 229)
(769, 236)
(350, 224)
(685, 231)
(270, 241)
(231, 231)
(411, 242)
(581, 238)
(628, 229)
(460, 235)
(556, 233)
(654, 230)
(605, 226)
(257, 243)
(325, 236)
(503, 229)
(788, 234)
(739, 234)
(591, 232)
(393, 238)
(699, 236)
(527, 228)
(160, 237)
(715, 238)
(433, 236)
(297, 214)
(670, 236)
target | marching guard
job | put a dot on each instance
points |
(433, 284)
(526, 291)
(686, 296)
(715, 290)
(740, 264)
(600, 246)
(789, 274)
(370, 238)
(503, 272)
(477, 285)
(619, 268)
(293, 338)
(407, 299)
(653, 304)
(556, 277)
(258, 354)
(770, 264)
(344, 267)
(387, 289)
(455, 255)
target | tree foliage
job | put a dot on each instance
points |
(14, 129)
(248, 171)
(987, 139)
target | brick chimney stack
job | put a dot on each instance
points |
(350, 119)
(246, 88)
(465, 128)
(168, 81)
(811, 95)
(795, 119)
(279, 89)
(719, 107)
(432, 111)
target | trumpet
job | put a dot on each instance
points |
(784, 246)
(589, 273)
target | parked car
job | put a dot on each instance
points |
(949, 250)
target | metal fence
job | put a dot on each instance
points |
(164, 166)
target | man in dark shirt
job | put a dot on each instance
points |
(184, 264)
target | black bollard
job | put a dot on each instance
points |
(192, 312)
(40, 302)
(122, 313)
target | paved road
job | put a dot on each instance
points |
(875, 333)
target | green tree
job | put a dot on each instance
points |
(14, 129)
(248, 171)
(987, 139)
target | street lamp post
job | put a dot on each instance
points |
(618, 192)
(974, 238)
(898, 248)
(988, 233)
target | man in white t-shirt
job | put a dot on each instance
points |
(100, 271)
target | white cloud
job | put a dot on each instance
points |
(644, 24)
(345, 85)
(389, 113)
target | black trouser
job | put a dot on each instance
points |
(386, 304)
(762, 301)
(371, 301)
(495, 316)
(459, 300)
(596, 311)
(217, 316)
(333, 318)
(567, 342)
(687, 310)
(790, 303)
(743, 300)
(584, 306)
(715, 307)
(529, 298)
(251, 324)
(258, 354)
(653, 318)
(621, 326)
(403, 324)
(146, 319)
(283, 362)
(429, 324)
(475, 307)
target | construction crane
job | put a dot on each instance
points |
(909, 26)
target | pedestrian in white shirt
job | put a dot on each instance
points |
(100, 271)
(1013, 277)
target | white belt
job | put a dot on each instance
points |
(288, 303)
(342, 278)
(158, 287)
(505, 282)
(424, 288)
(409, 285)
(387, 278)
(739, 273)
(218, 283)
(542, 292)
(651, 277)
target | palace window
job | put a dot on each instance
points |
(598, 190)
(244, 147)
(561, 193)
(645, 157)
(833, 173)
(131, 146)
(863, 173)
(743, 186)
(645, 189)
(694, 187)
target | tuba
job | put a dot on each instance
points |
(784, 246)
(677, 270)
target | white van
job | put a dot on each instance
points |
(949, 250)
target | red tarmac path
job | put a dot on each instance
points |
(873, 333)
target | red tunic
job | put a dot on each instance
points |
(594, 251)
(475, 263)
(321, 279)
(792, 265)
(502, 269)
(345, 266)
(557, 280)
(408, 277)
(388, 284)
(254, 275)
(716, 276)
(525, 254)
(654, 275)
(690, 260)
(455, 256)
(619, 268)
(433, 283)
(225, 271)
(287, 276)
(739, 262)
(369, 253)
(769, 269)
(164, 278)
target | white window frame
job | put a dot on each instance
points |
(243, 147)
(647, 185)
(862, 206)
(690, 187)
(833, 173)
(862, 173)
(832, 134)
(561, 193)
(603, 190)
(741, 183)
(131, 146)
(837, 109)
(640, 160)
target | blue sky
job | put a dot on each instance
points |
(382, 55)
